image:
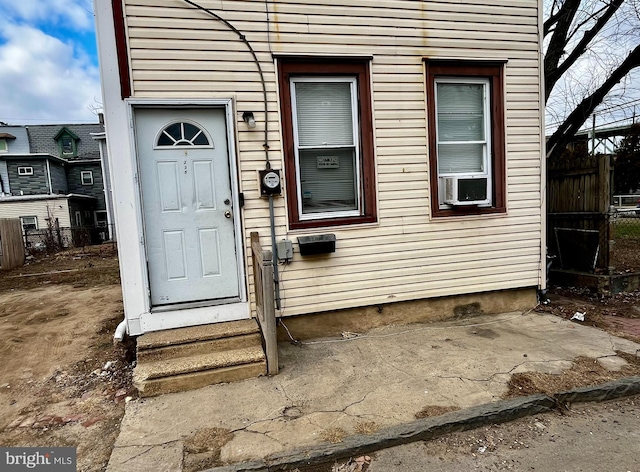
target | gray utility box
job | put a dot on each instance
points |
(285, 250)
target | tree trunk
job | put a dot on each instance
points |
(558, 41)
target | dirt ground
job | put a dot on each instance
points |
(588, 437)
(617, 314)
(63, 381)
(626, 257)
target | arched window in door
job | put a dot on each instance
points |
(183, 134)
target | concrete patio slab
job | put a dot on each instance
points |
(383, 377)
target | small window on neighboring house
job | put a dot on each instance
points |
(327, 124)
(25, 170)
(78, 218)
(100, 218)
(87, 177)
(67, 145)
(4, 141)
(67, 142)
(466, 137)
(29, 223)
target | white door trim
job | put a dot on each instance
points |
(193, 316)
(149, 320)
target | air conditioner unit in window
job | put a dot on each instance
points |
(464, 190)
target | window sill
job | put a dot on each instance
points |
(449, 213)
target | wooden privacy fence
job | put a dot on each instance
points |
(578, 186)
(11, 244)
(578, 219)
(265, 305)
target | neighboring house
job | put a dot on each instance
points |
(51, 177)
(409, 131)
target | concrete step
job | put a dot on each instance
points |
(193, 348)
(192, 381)
(173, 337)
(196, 371)
(183, 365)
(189, 358)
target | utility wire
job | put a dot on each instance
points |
(621, 105)
(628, 104)
(243, 38)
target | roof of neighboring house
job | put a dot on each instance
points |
(26, 156)
(23, 198)
(43, 139)
(19, 140)
(83, 161)
(606, 131)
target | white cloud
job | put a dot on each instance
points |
(42, 79)
(71, 14)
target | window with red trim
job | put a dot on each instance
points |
(466, 137)
(328, 141)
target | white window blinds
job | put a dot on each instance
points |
(327, 158)
(461, 127)
(324, 114)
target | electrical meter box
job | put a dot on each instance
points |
(270, 183)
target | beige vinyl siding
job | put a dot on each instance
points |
(59, 208)
(179, 52)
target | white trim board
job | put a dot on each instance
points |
(194, 316)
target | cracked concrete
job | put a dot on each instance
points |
(385, 376)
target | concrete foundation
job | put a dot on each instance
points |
(333, 323)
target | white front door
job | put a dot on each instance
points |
(187, 205)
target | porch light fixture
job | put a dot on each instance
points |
(249, 119)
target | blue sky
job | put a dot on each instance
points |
(49, 67)
(48, 62)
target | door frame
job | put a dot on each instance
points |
(161, 317)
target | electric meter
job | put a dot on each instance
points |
(270, 182)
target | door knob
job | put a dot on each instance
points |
(227, 214)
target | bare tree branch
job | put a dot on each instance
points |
(565, 132)
(581, 47)
(579, 26)
(553, 18)
(550, 23)
(558, 41)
